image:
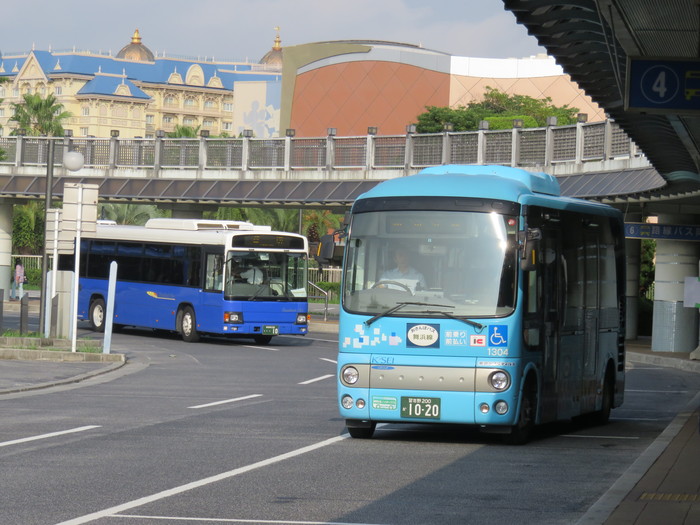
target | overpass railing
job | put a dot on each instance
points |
(519, 147)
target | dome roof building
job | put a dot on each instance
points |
(135, 50)
(273, 58)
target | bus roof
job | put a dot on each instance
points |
(203, 224)
(183, 231)
(475, 181)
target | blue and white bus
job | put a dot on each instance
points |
(196, 277)
(479, 295)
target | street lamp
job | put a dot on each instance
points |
(73, 161)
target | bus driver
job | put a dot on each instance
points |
(403, 273)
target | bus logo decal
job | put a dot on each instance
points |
(423, 335)
(156, 296)
(498, 335)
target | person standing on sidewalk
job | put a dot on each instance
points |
(18, 282)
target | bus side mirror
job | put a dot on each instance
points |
(328, 251)
(530, 249)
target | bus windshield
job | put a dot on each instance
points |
(265, 275)
(439, 263)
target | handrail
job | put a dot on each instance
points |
(518, 147)
(325, 293)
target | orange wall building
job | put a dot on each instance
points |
(352, 85)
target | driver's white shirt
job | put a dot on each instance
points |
(411, 277)
(253, 275)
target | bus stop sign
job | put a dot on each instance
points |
(662, 85)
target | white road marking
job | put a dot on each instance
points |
(329, 360)
(233, 520)
(223, 402)
(111, 511)
(321, 378)
(46, 436)
(268, 348)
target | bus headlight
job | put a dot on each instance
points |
(350, 375)
(233, 317)
(499, 380)
(301, 319)
(347, 402)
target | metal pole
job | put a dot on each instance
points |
(76, 275)
(47, 205)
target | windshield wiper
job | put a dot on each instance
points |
(398, 307)
(476, 325)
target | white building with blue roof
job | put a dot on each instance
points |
(137, 92)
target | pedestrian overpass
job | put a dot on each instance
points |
(190, 175)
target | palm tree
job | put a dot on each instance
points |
(135, 214)
(28, 228)
(318, 222)
(184, 132)
(40, 116)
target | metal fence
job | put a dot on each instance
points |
(540, 147)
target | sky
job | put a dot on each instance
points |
(244, 30)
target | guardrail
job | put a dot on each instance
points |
(518, 147)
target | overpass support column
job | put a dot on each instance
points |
(5, 246)
(674, 327)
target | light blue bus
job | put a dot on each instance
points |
(479, 295)
(196, 277)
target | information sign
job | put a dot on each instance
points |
(662, 85)
(677, 232)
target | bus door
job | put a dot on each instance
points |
(551, 274)
(211, 302)
(589, 355)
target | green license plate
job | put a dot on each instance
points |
(420, 407)
(271, 330)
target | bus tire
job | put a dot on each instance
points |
(360, 429)
(602, 416)
(521, 432)
(97, 314)
(187, 325)
(262, 339)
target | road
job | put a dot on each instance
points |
(231, 432)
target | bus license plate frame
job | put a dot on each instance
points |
(270, 329)
(418, 407)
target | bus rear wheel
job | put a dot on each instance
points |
(188, 325)
(97, 315)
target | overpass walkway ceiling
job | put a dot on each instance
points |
(222, 192)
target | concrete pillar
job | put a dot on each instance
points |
(674, 328)
(6, 266)
(633, 248)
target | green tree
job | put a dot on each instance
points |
(134, 214)
(499, 108)
(39, 116)
(28, 228)
(184, 132)
(317, 222)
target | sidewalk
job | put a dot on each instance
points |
(661, 486)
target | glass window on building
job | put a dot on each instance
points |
(84, 131)
(86, 111)
(228, 106)
(150, 119)
(57, 90)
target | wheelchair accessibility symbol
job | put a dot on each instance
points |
(498, 335)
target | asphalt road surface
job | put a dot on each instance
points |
(232, 432)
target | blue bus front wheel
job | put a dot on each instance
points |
(97, 315)
(188, 325)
